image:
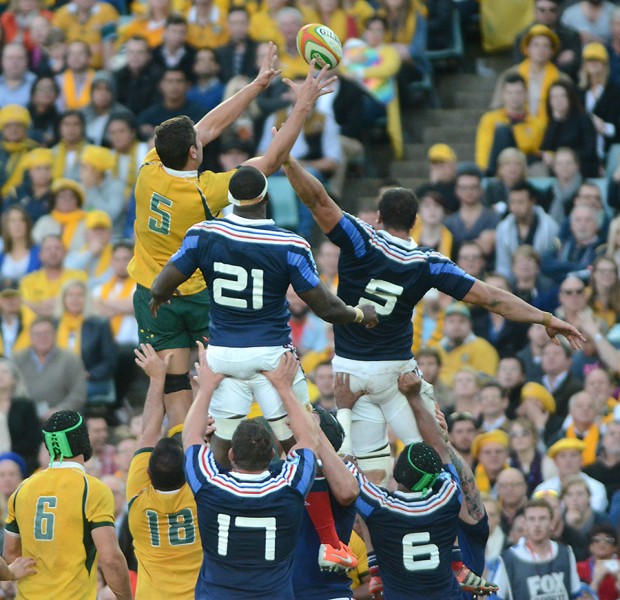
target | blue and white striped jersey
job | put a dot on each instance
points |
(248, 265)
(249, 525)
(393, 274)
(413, 536)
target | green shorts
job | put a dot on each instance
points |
(177, 325)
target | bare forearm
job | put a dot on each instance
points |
(117, 577)
(300, 420)
(342, 483)
(153, 413)
(428, 427)
(5, 573)
(215, 121)
(471, 494)
(197, 418)
(511, 307)
(610, 356)
(309, 189)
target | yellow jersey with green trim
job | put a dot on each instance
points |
(358, 547)
(168, 203)
(54, 512)
(165, 535)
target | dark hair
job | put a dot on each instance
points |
(513, 357)
(525, 186)
(6, 238)
(515, 78)
(252, 446)
(72, 113)
(436, 196)
(604, 528)
(140, 38)
(175, 19)
(492, 383)
(331, 427)
(574, 104)
(166, 465)
(45, 77)
(246, 183)
(126, 117)
(127, 244)
(78, 439)
(458, 417)
(173, 139)
(469, 170)
(428, 351)
(398, 208)
(235, 9)
(416, 461)
(373, 18)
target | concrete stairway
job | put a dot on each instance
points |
(463, 98)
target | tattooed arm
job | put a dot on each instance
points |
(472, 509)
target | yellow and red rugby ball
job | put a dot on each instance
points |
(319, 43)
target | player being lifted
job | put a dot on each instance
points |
(171, 196)
(248, 263)
(386, 268)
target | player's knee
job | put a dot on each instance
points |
(225, 428)
(281, 429)
(177, 382)
(377, 460)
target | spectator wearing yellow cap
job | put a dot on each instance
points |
(20, 255)
(600, 95)
(14, 145)
(103, 191)
(490, 450)
(537, 403)
(442, 167)
(581, 424)
(67, 218)
(95, 256)
(540, 45)
(34, 194)
(567, 455)
(460, 347)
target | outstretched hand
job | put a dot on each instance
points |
(570, 332)
(311, 88)
(205, 378)
(343, 395)
(268, 70)
(150, 362)
(283, 376)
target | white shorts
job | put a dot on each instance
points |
(243, 366)
(383, 404)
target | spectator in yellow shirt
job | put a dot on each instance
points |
(289, 22)
(149, 26)
(206, 22)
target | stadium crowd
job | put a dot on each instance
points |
(84, 84)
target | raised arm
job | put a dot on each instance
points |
(341, 481)
(197, 420)
(311, 192)
(165, 286)
(215, 121)
(332, 309)
(153, 414)
(306, 94)
(304, 427)
(511, 307)
(410, 385)
(472, 509)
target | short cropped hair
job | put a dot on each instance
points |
(252, 446)
(173, 139)
(247, 183)
(398, 208)
(166, 465)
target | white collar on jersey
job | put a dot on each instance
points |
(250, 476)
(67, 464)
(182, 174)
(250, 222)
(408, 244)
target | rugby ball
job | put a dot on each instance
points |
(319, 43)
